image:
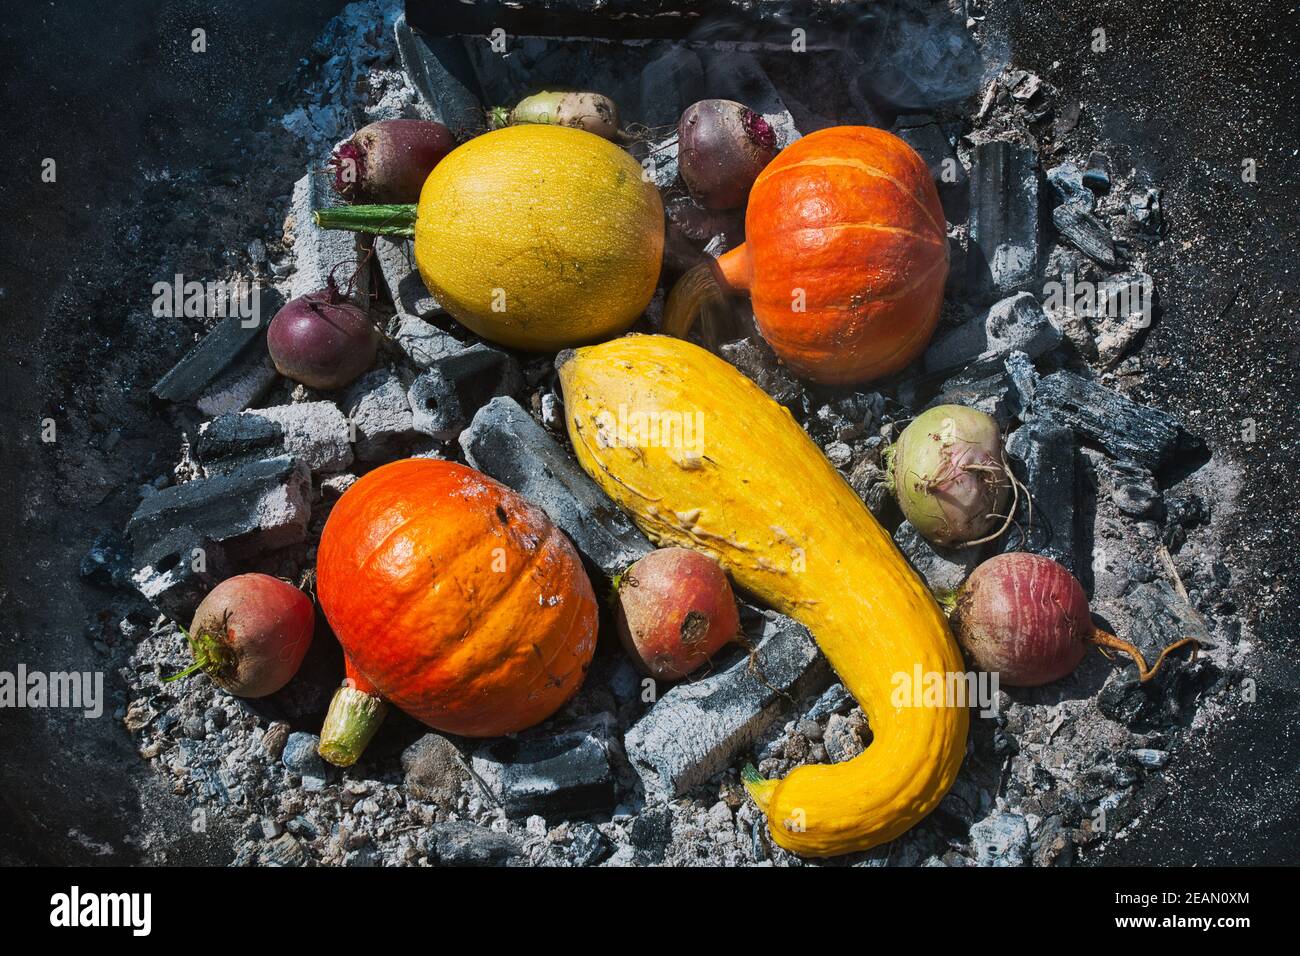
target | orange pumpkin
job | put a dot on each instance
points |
(454, 599)
(845, 257)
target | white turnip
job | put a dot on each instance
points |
(951, 478)
(592, 112)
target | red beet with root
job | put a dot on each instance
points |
(388, 161)
(1026, 617)
(322, 340)
(675, 610)
(250, 634)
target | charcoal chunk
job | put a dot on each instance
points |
(1044, 456)
(950, 176)
(565, 773)
(108, 562)
(1134, 491)
(315, 433)
(756, 359)
(670, 83)
(422, 342)
(1004, 228)
(228, 369)
(1017, 323)
(379, 410)
(1125, 429)
(1067, 182)
(320, 254)
(176, 569)
(1086, 233)
(235, 440)
(696, 729)
(396, 259)
(256, 508)
(1097, 174)
(505, 443)
(445, 397)
(944, 569)
(460, 843)
(440, 72)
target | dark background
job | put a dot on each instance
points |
(113, 93)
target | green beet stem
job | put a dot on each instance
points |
(382, 220)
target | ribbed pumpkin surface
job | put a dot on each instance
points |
(456, 598)
(540, 237)
(847, 253)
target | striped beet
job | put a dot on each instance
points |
(1026, 618)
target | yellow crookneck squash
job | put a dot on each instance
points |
(702, 458)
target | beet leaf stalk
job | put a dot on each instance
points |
(381, 220)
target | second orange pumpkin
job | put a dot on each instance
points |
(846, 254)
(454, 598)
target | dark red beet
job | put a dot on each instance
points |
(1026, 618)
(722, 146)
(675, 609)
(321, 340)
(388, 161)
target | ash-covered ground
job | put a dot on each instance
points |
(1170, 516)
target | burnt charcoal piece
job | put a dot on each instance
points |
(1014, 324)
(315, 433)
(823, 20)
(176, 570)
(944, 569)
(1086, 233)
(439, 70)
(423, 343)
(1043, 456)
(256, 508)
(396, 259)
(380, 412)
(233, 352)
(1004, 229)
(108, 562)
(1097, 174)
(461, 843)
(567, 773)
(446, 396)
(321, 254)
(1067, 182)
(925, 136)
(698, 727)
(1125, 429)
(505, 443)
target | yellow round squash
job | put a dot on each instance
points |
(540, 237)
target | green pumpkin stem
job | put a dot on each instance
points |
(351, 722)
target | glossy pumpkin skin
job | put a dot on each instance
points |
(455, 599)
(766, 504)
(846, 254)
